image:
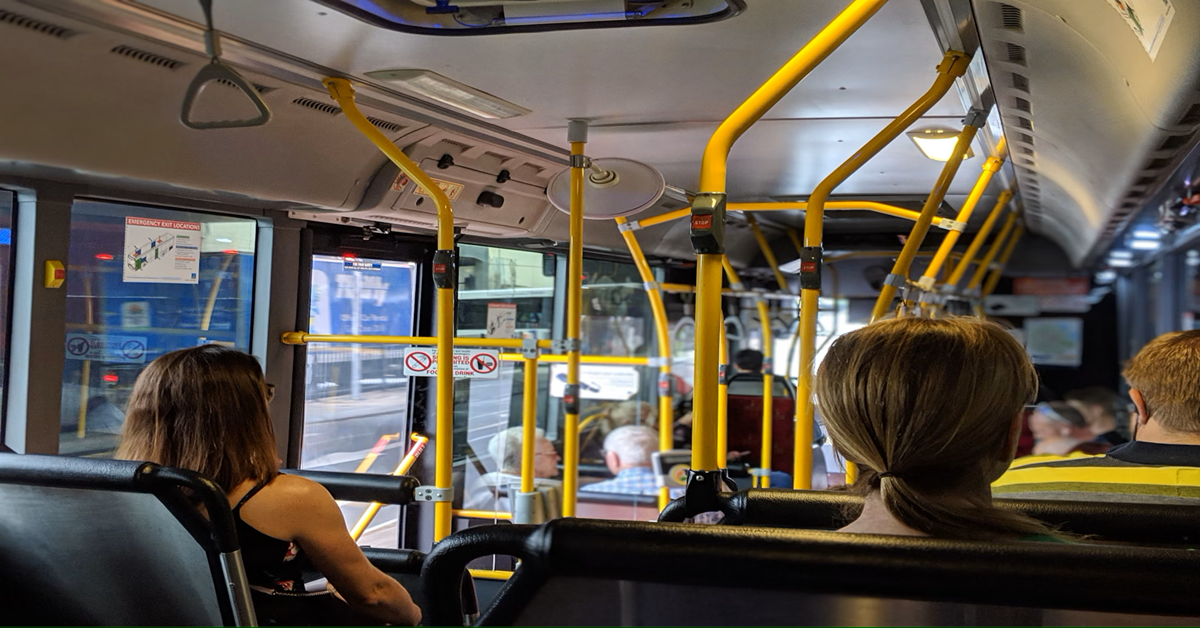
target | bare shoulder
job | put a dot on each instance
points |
(297, 491)
(290, 506)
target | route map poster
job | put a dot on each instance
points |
(161, 251)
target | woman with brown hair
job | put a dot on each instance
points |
(205, 409)
(930, 411)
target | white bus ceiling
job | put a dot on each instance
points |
(1108, 124)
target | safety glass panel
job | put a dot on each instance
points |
(141, 282)
(356, 400)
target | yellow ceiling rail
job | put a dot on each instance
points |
(953, 65)
(445, 278)
(970, 255)
(986, 263)
(903, 264)
(303, 337)
(990, 167)
(851, 205)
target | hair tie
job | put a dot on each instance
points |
(887, 474)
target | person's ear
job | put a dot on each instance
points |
(612, 459)
(1139, 402)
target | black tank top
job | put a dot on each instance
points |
(272, 565)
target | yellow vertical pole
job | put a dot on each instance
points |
(985, 229)
(577, 136)
(85, 377)
(708, 216)
(528, 423)
(1003, 261)
(768, 378)
(990, 167)
(445, 278)
(723, 399)
(986, 262)
(953, 65)
(666, 408)
(899, 275)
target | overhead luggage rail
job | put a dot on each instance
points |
(116, 542)
(576, 571)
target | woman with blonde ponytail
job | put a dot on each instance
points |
(930, 411)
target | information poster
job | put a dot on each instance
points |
(161, 251)
(1148, 19)
(501, 320)
(597, 381)
(1055, 341)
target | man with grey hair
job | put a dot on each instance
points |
(627, 453)
(505, 451)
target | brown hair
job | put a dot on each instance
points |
(1167, 373)
(204, 409)
(926, 407)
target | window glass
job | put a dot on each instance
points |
(6, 236)
(141, 282)
(356, 395)
(1190, 296)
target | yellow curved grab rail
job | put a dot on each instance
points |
(406, 463)
(444, 264)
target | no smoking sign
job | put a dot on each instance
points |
(468, 363)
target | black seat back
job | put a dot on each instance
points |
(624, 573)
(111, 542)
(1142, 524)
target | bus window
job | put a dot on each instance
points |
(141, 282)
(502, 293)
(356, 395)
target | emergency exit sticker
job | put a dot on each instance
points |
(468, 363)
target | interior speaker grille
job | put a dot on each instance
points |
(145, 56)
(1023, 105)
(1011, 18)
(45, 28)
(1191, 116)
(1025, 123)
(384, 124)
(454, 144)
(1016, 54)
(317, 105)
(1021, 82)
(1174, 142)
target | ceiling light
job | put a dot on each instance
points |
(1106, 276)
(1144, 245)
(1146, 234)
(1119, 254)
(438, 88)
(1120, 263)
(937, 144)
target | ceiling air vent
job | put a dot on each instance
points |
(453, 144)
(145, 56)
(1010, 17)
(1016, 54)
(45, 28)
(1024, 150)
(1023, 105)
(1144, 181)
(262, 89)
(1027, 163)
(1174, 142)
(1192, 116)
(1025, 137)
(1158, 164)
(1021, 82)
(1025, 123)
(317, 105)
(383, 124)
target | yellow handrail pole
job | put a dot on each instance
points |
(406, 463)
(874, 206)
(483, 514)
(953, 65)
(1003, 260)
(985, 229)
(301, 337)
(85, 377)
(529, 424)
(990, 167)
(765, 247)
(903, 264)
(666, 408)
(768, 394)
(369, 459)
(708, 218)
(577, 136)
(986, 262)
(444, 277)
(722, 398)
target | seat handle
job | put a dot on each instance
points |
(217, 70)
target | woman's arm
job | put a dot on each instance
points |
(318, 527)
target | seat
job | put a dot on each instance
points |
(587, 572)
(1115, 522)
(115, 542)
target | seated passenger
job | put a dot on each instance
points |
(505, 450)
(205, 409)
(929, 410)
(1161, 465)
(1099, 407)
(748, 361)
(627, 453)
(1059, 429)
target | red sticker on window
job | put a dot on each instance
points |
(702, 221)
